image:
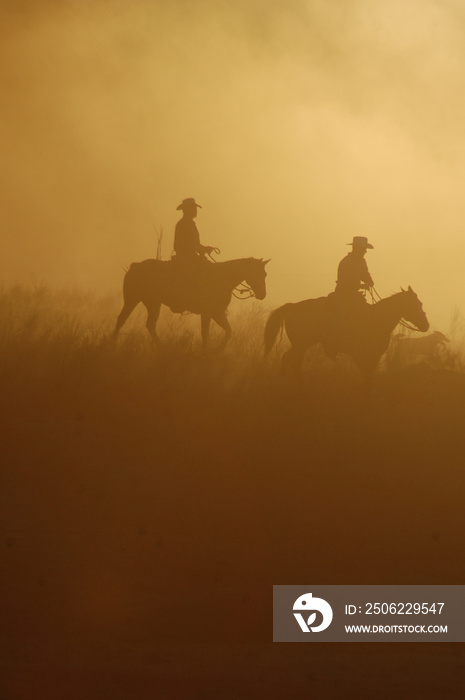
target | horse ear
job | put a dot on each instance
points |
(410, 289)
(402, 289)
(265, 262)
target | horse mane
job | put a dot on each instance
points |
(237, 260)
(391, 297)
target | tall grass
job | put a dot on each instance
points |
(63, 337)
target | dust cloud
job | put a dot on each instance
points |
(296, 126)
(151, 499)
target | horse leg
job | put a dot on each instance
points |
(292, 360)
(205, 324)
(126, 311)
(152, 318)
(223, 323)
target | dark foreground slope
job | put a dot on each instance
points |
(150, 500)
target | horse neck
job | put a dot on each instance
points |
(390, 310)
(235, 271)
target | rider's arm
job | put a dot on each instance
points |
(196, 244)
(206, 249)
(365, 276)
(199, 248)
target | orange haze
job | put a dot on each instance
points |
(296, 125)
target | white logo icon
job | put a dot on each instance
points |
(307, 603)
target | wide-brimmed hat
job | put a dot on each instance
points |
(189, 202)
(361, 242)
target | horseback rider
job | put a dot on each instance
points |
(348, 301)
(187, 246)
(189, 258)
(352, 273)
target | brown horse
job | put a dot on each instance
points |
(365, 340)
(156, 282)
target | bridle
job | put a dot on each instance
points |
(242, 288)
(375, 297)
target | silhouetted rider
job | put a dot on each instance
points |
(190, 264)
(347, 302)
(187, 244)
(352, 273)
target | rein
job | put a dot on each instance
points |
(403, 323)
(217, 251)
(242, 289)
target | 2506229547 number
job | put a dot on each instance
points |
(403, 608)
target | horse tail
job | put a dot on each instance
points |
(131, 284)
(273, 326)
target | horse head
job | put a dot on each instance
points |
(413, 310)
(255, 276)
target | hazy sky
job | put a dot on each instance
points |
(296, 125)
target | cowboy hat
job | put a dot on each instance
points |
(189, 202)
(361, 242)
